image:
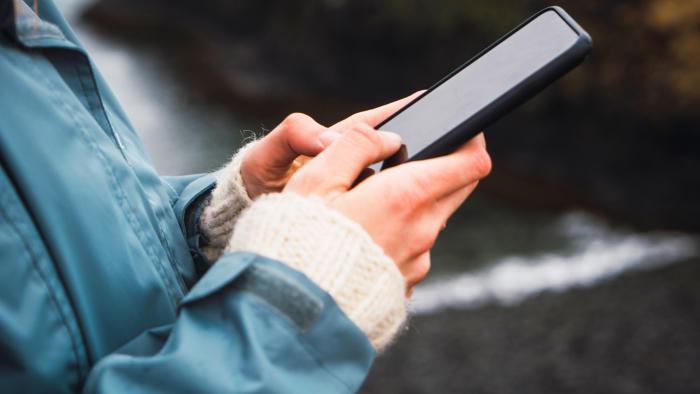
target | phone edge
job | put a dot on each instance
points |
(526, 89)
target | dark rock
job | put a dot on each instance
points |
(618, 136)
(635, 334)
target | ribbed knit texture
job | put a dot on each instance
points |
(228, 199)
(333, 251)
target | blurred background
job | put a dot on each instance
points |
(574, 268)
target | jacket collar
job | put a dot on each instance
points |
(20, 22)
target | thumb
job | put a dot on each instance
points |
(298, 134)
(337, 167)
(375, 116)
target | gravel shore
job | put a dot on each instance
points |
(639, 333)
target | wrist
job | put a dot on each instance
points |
(228, 199)
(334, 252)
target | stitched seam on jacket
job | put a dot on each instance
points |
(294, 328)
(144, 240)
(71, 330)
(285, 295)
(172, 194)
(295, 333)
(88, 92)
(97, 110)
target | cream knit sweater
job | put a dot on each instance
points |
(332, 250)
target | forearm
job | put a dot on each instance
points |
(250, 324)
(333, 251)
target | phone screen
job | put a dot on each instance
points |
(480, 83)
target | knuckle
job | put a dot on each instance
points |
(366, 136)
(417, 191)
(482, 163)
(422, 269)
(422, 240)
(295, 120)
(418, 272)
(406, 200)
(305, 181)
(428, 237)
(313, 179)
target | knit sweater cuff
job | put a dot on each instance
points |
(333, 251)
(228, 199)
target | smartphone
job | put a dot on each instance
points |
(506, 74)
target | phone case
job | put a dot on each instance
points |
(516, 96)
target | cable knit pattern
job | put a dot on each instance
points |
(333, 251)
(228, 200)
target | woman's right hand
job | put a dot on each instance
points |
(271, 161)
(403, 208)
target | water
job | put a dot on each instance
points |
(489, 253)
(595, 253)
(182, 135)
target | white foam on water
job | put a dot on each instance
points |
(599, 254)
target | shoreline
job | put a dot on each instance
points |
(636, 333)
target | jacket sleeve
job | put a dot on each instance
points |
(190, 194)
(251, 324)
(187, 190)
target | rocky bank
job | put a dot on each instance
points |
(635, 334)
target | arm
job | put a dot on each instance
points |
(265, 166)
(304, 318)
(251, 324)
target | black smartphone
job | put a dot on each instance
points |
(510, 71)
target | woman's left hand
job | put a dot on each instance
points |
(271, 161)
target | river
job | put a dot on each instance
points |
(489, 253)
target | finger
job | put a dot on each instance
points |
(298, 134)
(480, 139)
(375, 116)
(414, 271)
(424, 226)
(443, 175)
(339, 165)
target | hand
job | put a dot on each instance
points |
(270, 162)
(402, 208)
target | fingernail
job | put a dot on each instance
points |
(392, 137)
(327, 137)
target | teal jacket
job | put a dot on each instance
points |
(99, 289)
